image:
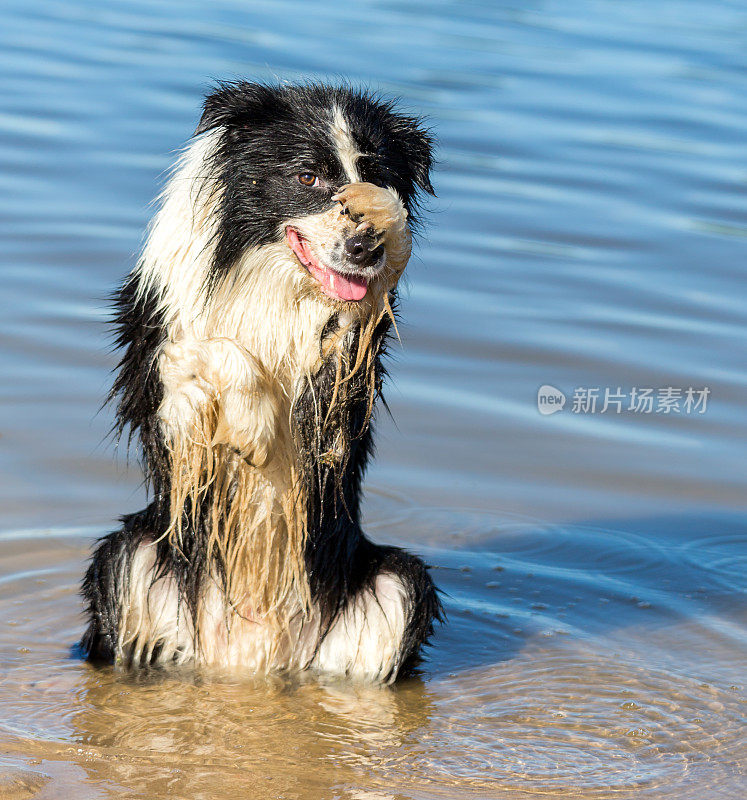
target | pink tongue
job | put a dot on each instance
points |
(333, 284)
(343, 287)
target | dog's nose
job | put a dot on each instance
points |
(361, 249)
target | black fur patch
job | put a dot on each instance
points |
(340, 560)
(139, 333)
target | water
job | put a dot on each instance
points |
(589, 232)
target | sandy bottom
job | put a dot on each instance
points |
(571, 666)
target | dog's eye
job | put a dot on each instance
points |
(308, 179)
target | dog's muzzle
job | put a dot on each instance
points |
(363, 250)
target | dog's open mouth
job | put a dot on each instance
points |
(334, 284)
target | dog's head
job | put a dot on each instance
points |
(332, 173)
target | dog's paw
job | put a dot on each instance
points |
(365, 642)
(372, 207)
(249, 417)
(381, 212)
(186, 392)
(214, 393)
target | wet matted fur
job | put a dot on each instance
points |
(252, 333)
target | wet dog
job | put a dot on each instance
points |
(252, 333)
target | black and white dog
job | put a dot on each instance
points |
(252, 331)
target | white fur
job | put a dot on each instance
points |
(195, 373)
(347, 150)
(178, 248)
(365, 642)
(152, 614)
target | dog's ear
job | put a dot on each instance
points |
(418, 151)
(231, 103)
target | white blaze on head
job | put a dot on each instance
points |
(347, 150)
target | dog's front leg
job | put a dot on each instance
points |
(216, 392)
(379, 634)
(365, 641)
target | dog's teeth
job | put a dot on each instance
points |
(362, 227)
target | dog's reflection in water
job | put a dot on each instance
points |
(171, 736)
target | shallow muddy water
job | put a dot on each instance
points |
(589, 234)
